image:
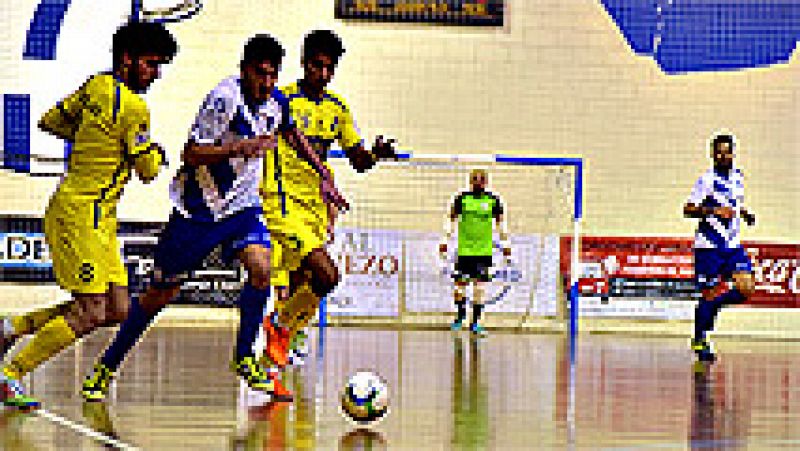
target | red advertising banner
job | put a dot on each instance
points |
(621, 267)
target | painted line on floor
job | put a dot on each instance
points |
(84, 430)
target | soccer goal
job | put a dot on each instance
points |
(387, 246)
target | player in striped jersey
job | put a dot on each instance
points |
(108, 123)
(217, 204)
(717, 200)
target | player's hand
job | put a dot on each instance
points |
(724, 212)
(254, 147)
(443, 248)
(384, 150)
(749, 218)
(506, 252)
(331, 230)
(331, 195)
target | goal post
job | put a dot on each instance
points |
(387, 245)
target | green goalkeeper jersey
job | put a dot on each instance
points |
(475, 212)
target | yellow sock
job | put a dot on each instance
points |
(48, 341)
(29, 322)
(299, 309)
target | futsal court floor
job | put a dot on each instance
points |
(448, 391)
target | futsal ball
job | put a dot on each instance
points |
(365, 398)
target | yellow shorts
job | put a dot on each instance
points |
(294, 235)
(86, 259)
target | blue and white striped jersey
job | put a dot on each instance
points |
(713, 189)
(213, 192)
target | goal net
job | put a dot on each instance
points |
(387, 246)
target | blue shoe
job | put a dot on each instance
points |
(702, 348)
(457, 325)
(476, 329)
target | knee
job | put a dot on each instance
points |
(156, 298)
(325, 281)
(258, 277)
(746, 286)
(87, 313)
(460, 293)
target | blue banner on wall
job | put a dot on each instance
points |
(702, 35)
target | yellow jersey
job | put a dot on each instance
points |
(322, 121)
(109, 127)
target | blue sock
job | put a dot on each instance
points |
(128, 334)
(704, 318)
(706, 311)
(251, 312)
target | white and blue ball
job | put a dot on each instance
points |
(365, 398)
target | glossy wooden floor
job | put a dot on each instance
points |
(448, 392)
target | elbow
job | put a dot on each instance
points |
(189, 155)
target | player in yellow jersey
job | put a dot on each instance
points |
(298, 219)
(108, 123)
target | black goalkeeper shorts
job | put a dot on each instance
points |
(473, 268)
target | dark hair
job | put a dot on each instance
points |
(721, 139)
(262, 47)
(143, 38)
(325, 42)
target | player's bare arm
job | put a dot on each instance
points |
(295, 138)
(195, 154)
(695, 211)
(363, 160)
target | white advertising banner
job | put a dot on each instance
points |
(429, 283)
(370, 263)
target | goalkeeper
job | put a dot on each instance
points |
(474, 212)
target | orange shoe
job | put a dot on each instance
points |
(279, 391)
(277, 348)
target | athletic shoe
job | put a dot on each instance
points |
(476, 329)
(14, 396)
(702, 348)
(277, 348)
(457, 325)
(279, 391)
(254, 374)
(96, 384)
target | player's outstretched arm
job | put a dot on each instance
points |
(695, 211)
(195, 154)
(297, 140)
(363, 160)
(330, 194)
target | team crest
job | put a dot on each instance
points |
(142, 138)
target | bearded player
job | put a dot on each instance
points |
(299, 221)
(108, 123)
(717, 200)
